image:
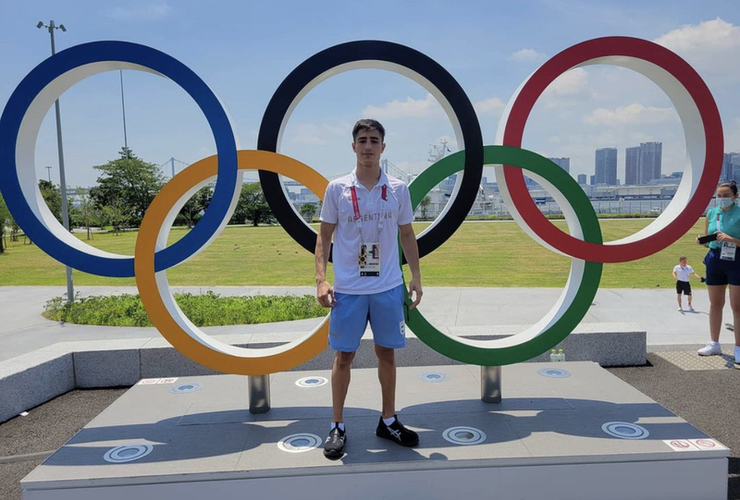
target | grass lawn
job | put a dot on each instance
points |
(490, 254)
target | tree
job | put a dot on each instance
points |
(128, 182)
(53, 197)
(4, 220)
(116, 214)
(252, 206)
(193, 209)
(85, 214)
(424, 204)
(308, 210)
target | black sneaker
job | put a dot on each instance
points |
(334, 444)
(397, 432)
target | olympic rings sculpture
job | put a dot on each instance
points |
(27, 106)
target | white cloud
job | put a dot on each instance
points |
(632, 114)
(527, 55)
(491, 106)
(572, 82)
(715, 34)
(711, 47)
(410, 108)
(318, 134)
(143, 12)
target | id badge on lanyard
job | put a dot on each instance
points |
(729, 249)
(368, 259)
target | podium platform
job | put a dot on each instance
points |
(563, 430)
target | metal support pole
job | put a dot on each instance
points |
(259, 393)
(490, 384)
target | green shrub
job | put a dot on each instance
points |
(209, 309)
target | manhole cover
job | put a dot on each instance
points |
(625, 430)
(464, 435)
(554, 373)
(186, 387)
(433, 377)
(311, 381)
(127, 453)
(299, 443)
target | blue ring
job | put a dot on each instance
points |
(94, 52)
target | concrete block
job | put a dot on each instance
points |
(33, 379)
(107, 363)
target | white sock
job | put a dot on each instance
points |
(389, 421)
(338, 424)
(737, 353)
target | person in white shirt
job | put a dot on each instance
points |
(364, 212)
(681, 274)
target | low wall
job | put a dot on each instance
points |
(32, 379)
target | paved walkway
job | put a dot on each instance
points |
(23, 329)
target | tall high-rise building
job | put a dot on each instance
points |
(563, 163)
(606, 166)
(593, 180)
(731, 167)
(582, 179)
(650, 161)
(632, 166)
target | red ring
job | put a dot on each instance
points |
(587, 51)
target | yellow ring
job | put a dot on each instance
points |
(156, 294)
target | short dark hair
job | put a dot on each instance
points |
(730, 184)
(681, 259)
(367, 124)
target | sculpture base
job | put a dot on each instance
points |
(548, 438)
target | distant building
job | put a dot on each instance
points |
(563, 163)
(606, 166)
(632, 166)
(593, 180)
(650, 161)
(582, 179)
(731, 167)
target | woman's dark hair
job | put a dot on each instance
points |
(730, 184)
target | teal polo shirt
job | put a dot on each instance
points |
(729, 223)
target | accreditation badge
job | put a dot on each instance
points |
(369, 259)
(728, 251)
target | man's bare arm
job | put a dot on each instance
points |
(411, 251)
(324, 290)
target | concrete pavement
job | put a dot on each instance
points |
(458, 310)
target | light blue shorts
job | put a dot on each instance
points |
(351, 313)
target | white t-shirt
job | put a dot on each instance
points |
(338, 209)
(682, 273)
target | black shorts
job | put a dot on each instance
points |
(683, 286)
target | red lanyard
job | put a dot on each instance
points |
(358, 216)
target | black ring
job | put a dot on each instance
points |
(316, 65)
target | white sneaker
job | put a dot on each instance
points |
(680, 309)
(711, 349)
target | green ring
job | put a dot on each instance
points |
(571, 317)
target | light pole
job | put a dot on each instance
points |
(48, 170)
(123, 110)
(62, 179)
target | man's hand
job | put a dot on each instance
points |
(415, 292)
(325, 294)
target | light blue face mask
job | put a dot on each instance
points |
(725, 202)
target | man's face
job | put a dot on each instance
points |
(368, 146)
(683, 263)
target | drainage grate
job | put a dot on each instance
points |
(433, 377)
(554, 373)
(311, 381)
(625, 430)
(127, 453)
(299, 443)
(464, 435)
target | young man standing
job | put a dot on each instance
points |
(681, 274)
(364, 211)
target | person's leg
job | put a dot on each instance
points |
(688, 295)
(716, 304)
(387, 377)
(340, 378)
(678, 298)
(735, 305)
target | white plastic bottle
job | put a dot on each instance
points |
(561, 355)
(553, 355)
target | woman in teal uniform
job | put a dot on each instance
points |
(723, 266)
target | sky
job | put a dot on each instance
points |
(243, 50)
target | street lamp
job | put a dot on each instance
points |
(62, 178)
(48, 169)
